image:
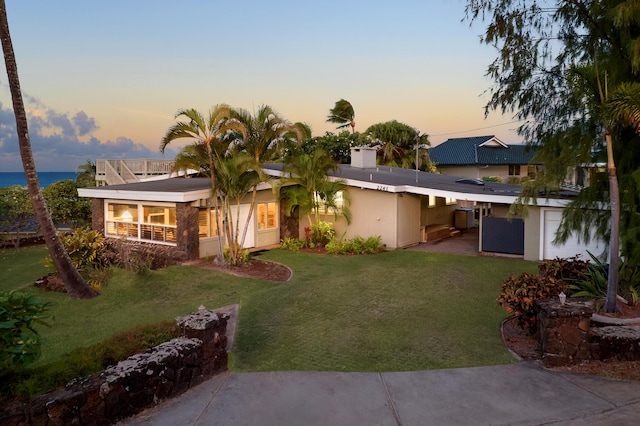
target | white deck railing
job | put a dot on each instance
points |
(112, 172)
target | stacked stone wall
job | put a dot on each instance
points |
(139, 382)
(571, 333)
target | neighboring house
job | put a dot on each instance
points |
(484, 157)
(404, 207)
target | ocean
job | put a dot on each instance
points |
(45, 178)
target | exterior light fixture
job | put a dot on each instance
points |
(562, 297)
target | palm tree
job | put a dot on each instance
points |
(342, 113)
(73, 281)
(622, 107)
(237, 175)
(310, 189)
(266, 133)
(206, 132)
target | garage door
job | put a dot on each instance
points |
(569, 249)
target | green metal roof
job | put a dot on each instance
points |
(470, 152)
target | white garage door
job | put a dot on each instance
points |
(572, 247)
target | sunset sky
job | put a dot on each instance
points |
(103, 80)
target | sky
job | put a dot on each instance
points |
(104, 80)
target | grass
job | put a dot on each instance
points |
(401, 310)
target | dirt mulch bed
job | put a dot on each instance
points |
(255, 268)
(526, 347)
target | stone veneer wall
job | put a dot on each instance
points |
(139, 382)
(564, 331)
(187, 223)
(572, 333)
(97, 215)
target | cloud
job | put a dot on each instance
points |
(62, 143)
(85, 124)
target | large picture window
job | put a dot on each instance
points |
(142, 222)
(267, 214)
(207, 226)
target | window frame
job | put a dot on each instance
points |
(260, 218)
(137, 228)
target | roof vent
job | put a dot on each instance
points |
(471, 181)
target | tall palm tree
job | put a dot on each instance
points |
(237, 175)
(266, 132)
(621, 107)
(342, 113)
(73, 281)
(206, 132)
(310, 189)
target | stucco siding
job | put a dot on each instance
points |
(373, 213)
(441, 214)
(408, 220)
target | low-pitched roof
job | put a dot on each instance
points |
(171, 190)
(480, 150)
(398, 180)
(379, 178)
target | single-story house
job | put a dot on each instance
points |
(405, 207)
(177, 212)
(483, 157)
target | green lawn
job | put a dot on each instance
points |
(401, 310)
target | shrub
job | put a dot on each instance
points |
(518, 294)
(357, 245)
(492, 178)
(19, 312)
(594, 281)
(86, 248)
(292, 244)
(569, 269)
(322, 233)
(513, 180)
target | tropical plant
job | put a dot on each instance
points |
(207, 133)
(237, 175)
(264, 136)
(73, 281)
(322, 233)
(307, 186)
(19, 313)
(292, 244)
(565, 69)
(594, 282)
(397, 143)
(356, 245)
(16, 212)
(65, 206)
(265, 133)
(343, 114)
(518, 295)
